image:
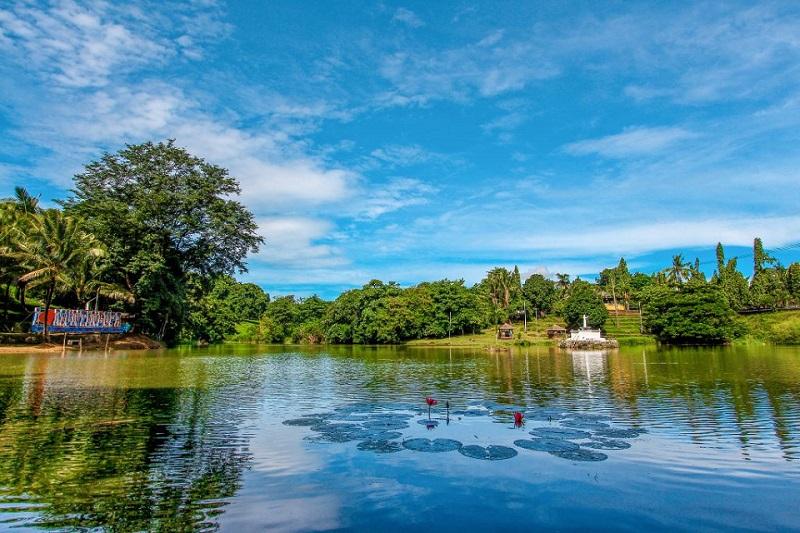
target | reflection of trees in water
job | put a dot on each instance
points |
(169, 455)
(748, 396)
(126, 459)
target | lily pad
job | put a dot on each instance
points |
(427, 422)
(586, 424)
(616, 433)
(328, 427)
(490, 453)
(306, 421)
(385, 424)
(435, 445)
(589, 417)
(546, 445)
(330, 437)
(379, 446)
(385, 435)
(580, 455)
(608, 444)
(390, 416)
(560, 433)
(351, 417)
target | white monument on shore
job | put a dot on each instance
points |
(586, 337)
(586, 333)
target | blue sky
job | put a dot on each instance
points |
(421, 140)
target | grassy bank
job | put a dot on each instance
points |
(778, 327)
(625, 329)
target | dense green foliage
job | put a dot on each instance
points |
(164, 215)
(693, 314)
(218, 304)
(149, 230)
(155, 231)
(377, 313)
(540, 293)
(584, 299)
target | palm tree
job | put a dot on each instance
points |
(51, 251)
(25, 202)
(562, 282)
(678, 272)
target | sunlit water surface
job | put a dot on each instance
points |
(195, 439)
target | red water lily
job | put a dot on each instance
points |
(431, 402)
(518, 419)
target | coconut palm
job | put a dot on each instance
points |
(501, 287)
(678, 272)
(562, 282)
(52, 249)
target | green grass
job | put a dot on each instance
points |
(626, 332)
(536, 335)
(778, 327)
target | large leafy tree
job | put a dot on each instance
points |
(540, 293)
(584, 299)
(164, 214)
(693, 314)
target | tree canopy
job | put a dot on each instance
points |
(693, 314)
(163, 214)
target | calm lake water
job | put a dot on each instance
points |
(689, 439)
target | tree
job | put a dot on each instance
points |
(540, 293)
(283, 314)
(501, 287)
(164, 214)
(693, 314)
(584, 300)
(761, 259)
(52, 250)
(563, 284)
(793, 282)
(733, 284)
(216, 305)
(678, 272)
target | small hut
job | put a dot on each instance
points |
(506, 331)
(556, 331)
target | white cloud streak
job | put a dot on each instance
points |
(633, 141)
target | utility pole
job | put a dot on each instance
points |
(449, 325)
(525, 315)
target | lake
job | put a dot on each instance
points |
(246, 438)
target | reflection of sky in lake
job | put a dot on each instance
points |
(197, 439)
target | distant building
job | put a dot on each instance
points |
(506, 331)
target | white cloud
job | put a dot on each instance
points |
(73, 45)
(397, 194)
(292, 242)
(408, 17)
(402, 155)
(479, 69)
(633, 141)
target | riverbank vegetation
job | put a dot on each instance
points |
(157, 233)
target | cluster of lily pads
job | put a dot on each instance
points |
(377, 427)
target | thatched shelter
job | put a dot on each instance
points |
(506, 331)
(556, 331)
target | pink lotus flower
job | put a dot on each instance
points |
(431, 402)
(519, 419)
